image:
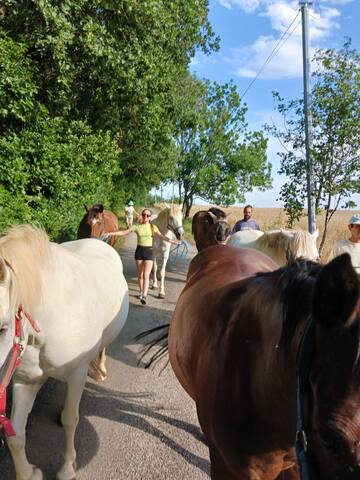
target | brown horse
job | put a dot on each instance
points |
(233, 344)
(210, 227)
(96, 222)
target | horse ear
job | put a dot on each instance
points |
(86, 208)
(336, 294)
(212, 215)
(166, 205)
(315, 234)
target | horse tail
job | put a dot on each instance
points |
(160, 341)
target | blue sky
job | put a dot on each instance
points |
(249, 30)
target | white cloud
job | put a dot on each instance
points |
(246, 5)
(287, 62)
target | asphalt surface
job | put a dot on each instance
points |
(138, 424)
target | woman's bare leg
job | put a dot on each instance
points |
(140, 274)
(147, 267)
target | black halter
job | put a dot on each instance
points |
(304, 360)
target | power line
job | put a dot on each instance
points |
(273, 52)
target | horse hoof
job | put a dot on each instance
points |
(67, 472)
(161, 295)
(36, 474)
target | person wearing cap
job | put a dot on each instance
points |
(129, 213)
(352, 245)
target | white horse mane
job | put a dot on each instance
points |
(26, 249)
(279, 241)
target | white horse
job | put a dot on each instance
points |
(278, 244)
(78, 298)
(169, 222)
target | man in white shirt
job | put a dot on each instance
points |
(352, 245)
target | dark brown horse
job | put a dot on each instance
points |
(210, 227)
(233, 344)
(96, 222)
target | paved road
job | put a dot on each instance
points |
(137, 424)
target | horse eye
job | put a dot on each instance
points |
(3, 329)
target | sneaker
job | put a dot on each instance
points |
(139, 296)
(143, 300)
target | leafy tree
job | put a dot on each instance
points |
(218, 159)
(115, 65)
(336, 137)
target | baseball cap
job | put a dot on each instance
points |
(354, 220)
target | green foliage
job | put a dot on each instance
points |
(336, 137)
(114, 64)
(218, 159)
(87, 94)
(17, 85)
(49, 172)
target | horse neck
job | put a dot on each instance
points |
(274, 245)
(162, 221)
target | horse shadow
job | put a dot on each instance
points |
(97, 401)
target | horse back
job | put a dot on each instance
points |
(219, 336)
(200, 310)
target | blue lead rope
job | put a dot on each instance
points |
(175, 251)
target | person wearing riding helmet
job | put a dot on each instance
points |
(129, 213)
(145, 232)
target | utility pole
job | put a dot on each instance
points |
(307, 115)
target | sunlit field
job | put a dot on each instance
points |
(274, 218)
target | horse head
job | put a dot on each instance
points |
(220, 228)
(174, 221)
(302, 244)
(334, 432)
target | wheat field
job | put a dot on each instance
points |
(274, 218)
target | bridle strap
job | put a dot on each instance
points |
(11, 363)
(304, 361)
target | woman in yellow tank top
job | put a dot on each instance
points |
(145, 232)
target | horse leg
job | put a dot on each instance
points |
(162, 275)
(69, 419)
(154, 272)
(24, 395)
(97, 368)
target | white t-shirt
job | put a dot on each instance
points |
(129, 211)
(353, 249)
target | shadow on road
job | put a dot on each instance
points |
(97, 401)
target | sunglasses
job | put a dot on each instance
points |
(146, 214)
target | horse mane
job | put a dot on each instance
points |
(26, 250)
(280, 241)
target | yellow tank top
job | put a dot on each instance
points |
(145, 234)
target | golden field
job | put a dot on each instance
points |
(274, 218)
